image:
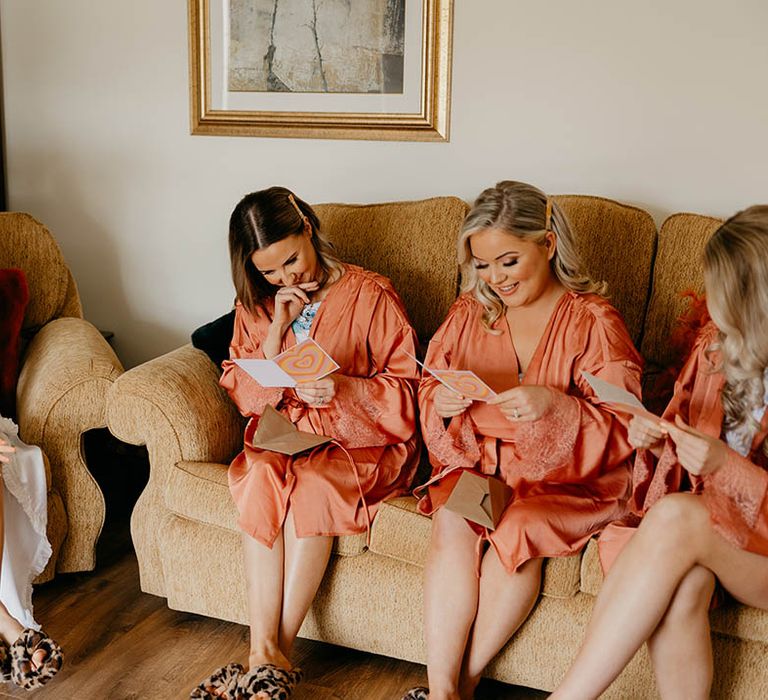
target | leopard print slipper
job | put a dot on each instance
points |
(417, 694)
(23, 672)
(5, 661)
(268, 682)
(220, 685)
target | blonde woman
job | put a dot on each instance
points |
(529, 322)
(711, 449)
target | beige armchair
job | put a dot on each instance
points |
(66, 369)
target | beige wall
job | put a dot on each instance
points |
(658, 103)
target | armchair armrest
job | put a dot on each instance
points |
(62, 390)
(175, 406)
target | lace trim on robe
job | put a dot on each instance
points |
(357, 418)
(547, 444)
(733, 494)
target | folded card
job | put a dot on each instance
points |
(623, 399)
(461, 381)
(479, 498)
(305, 362)
(278, 434)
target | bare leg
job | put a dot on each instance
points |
(306, 559)
(673, 538)
(505, 602)
(264, 578)
(682, 639)
(451, 591)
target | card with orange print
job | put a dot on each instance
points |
(461, 381)
(305, 362)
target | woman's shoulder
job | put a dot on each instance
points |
(597, 308)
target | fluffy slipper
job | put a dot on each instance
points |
(5, 661)
(268, 682)
(221, 684)
(417, 694)
(23, 672)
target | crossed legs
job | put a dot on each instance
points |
(659, 591)
(468, 619)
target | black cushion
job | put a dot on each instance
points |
(215, 337)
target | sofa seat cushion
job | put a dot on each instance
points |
(401, 532)
(730, 619)
(199, 491)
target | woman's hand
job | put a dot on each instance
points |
(6, 449)
(318, 393)
(646, 434)
(524, 403)
(448, 403)
(698, 453)
(289, 301)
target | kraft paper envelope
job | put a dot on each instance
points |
(609, 393)
(479, 498)
(278, 434)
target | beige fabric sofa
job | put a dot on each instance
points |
(371, 598)
(66, 370)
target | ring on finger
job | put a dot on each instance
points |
(515, 413)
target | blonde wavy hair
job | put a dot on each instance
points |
(521, 210)
(736, 280)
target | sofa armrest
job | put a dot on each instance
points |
(62, 393)
(175, 406)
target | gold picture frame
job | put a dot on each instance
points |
(428, 122)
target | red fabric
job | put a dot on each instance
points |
(14, 296)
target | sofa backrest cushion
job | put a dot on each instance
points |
(26, 244)
(678, 268)
(617, 243)
(411, 243)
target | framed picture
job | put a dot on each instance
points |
(345, 69)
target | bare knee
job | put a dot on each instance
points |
(675, 523)
(450, 531)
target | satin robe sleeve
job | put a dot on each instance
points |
(578, 438)
(378, 409)
(451, 443)
(249, 396)
(735, 496)
(653, 478)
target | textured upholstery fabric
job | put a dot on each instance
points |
(373, 600)
(417, 252)
(25, 243)
(611, 236)
(66, 369)
(678, 268)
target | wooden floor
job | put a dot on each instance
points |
(121, 644)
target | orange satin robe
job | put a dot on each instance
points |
(735, 494)
(570, 470)
(362, 324)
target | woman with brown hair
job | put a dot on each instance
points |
(701, 479)
(291, 286)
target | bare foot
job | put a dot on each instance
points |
(268, 655)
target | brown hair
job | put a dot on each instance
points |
(261, 219)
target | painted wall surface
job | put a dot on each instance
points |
(660, 104)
